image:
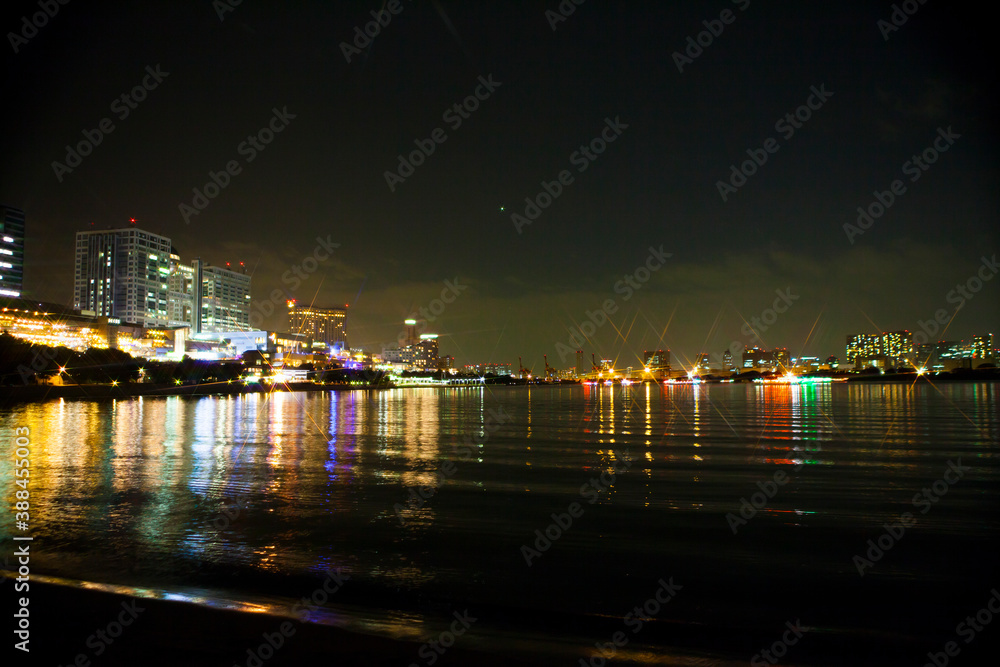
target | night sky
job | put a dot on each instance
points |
(323, 175)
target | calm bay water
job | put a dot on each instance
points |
(136, 493)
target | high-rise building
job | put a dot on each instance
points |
(225, 299)
(702, 364)
(409, 336)
(494, 368)
(758, 359)
(123, 273)
(180, 293)
(209, 299)
(581, 369)
(982, 347)
(328, 325)
(727, 360)
(656, 360)
(888, 348)
(427, 351)
(11, 251)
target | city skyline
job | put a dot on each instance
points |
(545, 188)
(328, 324)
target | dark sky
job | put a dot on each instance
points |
(655, 185)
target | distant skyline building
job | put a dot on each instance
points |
(180, 293)
(656, 360)
(758, 359)
(224, 303)
(488, 369)
(982, 347)
(123, 273)
(889, 348)
(703, 362)
(328, 325)
(11, 251)
(427, 351)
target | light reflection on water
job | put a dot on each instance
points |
(135, 492)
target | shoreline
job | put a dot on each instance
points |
(35, 393)
(65, 618)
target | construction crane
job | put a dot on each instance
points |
(521, 370)
(593, 361)
(550, 373)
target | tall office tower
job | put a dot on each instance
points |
(863, 347)
(224, 300)
(123, 273)
(581, 369)
(11, 251)
(656, 359)
(427, 351)
(759, 359)
(982, 347)
(897, 346)
(328, 325)
(703, 363)
(727, 360)
(889, 347)
(410, 337)
(180, 293)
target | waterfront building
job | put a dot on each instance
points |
(180, 293)
(122, 273)
(656, 360)
(488, 369)
(727, 361)
(886, 349)
(224, 302)
(982, 348)
(327, 325)
(11, 252)
(426, 352)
